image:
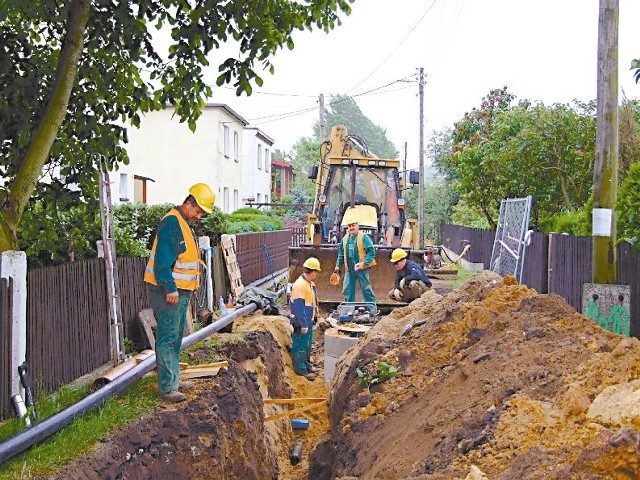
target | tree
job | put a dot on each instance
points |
(304, 154)
(502, 151)
(343, 110)
(99, 51)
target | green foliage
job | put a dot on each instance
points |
(120, 74)
(469, 216)
(575, 223)
(243, 227)
(500, 151)
(305, 153)
(377, 372)
(249, 211)
(343, 110)
(628, 206)
(439, 199)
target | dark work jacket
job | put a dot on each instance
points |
(411, 271)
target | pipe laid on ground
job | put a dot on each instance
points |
(41, 431)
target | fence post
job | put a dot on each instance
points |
(13, 265)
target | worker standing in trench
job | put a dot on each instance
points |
(358, 254)
(411, 280)
(172, 273)
(304, 311)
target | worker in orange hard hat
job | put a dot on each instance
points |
(304, 312)
(171, 275)
(411, 280)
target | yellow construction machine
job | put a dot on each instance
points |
(350, 176)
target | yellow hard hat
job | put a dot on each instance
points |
(397, 255)
(205, 198)
(312, 263)
(350, 217)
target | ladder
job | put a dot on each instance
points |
(109, 254)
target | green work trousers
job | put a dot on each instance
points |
(349, 286)
(171, 320)
(300, 351)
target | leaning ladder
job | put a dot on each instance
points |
(109, 253)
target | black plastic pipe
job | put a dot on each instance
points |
(41, 431)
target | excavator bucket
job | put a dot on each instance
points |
(382, 274)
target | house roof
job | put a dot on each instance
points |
(261, 135)
(279, 163)
(229, 110)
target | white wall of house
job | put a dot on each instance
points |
(166, 151)
(256, 165)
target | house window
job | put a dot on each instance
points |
(235, 200)
(266, 199)
(267, 159)
(260, 157)
(259, 198)
(226, 141)
(225, 200)
(124, 187)
(236, 146)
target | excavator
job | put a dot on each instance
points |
(349, 176)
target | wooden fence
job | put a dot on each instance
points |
(6, 409)
(555, 263)
(261, 254)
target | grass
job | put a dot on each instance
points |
(463, 276)
(211, 346)
(77, 439)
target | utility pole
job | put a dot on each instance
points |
(605, 172)
(404, 164)
(421, 157)
(321, 103)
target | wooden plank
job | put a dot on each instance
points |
(295, 411)
(285, 401)
(148, 322)
(222, 364)
(208, 372)
(233, 269)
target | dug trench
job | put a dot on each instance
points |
(495, 381)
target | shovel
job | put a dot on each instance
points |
(409, 326)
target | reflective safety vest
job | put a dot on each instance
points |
(186, 270)
(361, 253)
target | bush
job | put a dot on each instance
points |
(243, 227)
(248, 211)
(628, 206)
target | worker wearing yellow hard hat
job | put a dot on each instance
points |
(172, 273)
(411, 280)
(358, 254)
(304, 312)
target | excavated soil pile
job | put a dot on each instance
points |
(499, 382)
(220, 431)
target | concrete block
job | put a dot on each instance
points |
(335, 344)
(329, 367)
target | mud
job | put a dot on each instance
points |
(494, 381)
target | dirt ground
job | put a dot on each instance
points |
(495, 382)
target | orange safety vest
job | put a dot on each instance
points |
(186, 270)
(361, 253)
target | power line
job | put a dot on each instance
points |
(397, 46)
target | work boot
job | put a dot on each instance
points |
(186, 386)
(173, 397)
(311, 368)
(310, 376)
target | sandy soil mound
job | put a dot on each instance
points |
(498, 381)
(220, 431)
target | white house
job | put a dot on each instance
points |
(256, 166)
(167, 158)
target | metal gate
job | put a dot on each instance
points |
(509, 246)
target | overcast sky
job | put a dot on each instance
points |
(543, 50)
